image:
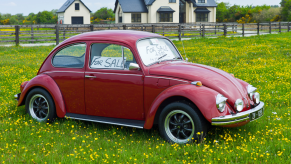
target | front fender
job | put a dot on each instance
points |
(46, 82)
(204, 98)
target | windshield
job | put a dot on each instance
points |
(154, 50)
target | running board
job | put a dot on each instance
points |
(107, 120)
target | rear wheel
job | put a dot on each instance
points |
(181, 123)
(40, 105)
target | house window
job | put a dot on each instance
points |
(77, 6)
(201, 1)
(166, 17)
(201, 17)
(136, 18)
(119, 17)
(172, 1)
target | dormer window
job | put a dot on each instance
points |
(201, 1)
(172, 1)
(77, 6)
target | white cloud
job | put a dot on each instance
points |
(11, 4)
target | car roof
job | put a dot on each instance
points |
(128, 36)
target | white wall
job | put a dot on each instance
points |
(154, 15)
(61, 17)
(144, 17)
(126, 17)
(71, 12)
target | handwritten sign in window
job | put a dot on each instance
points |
(107, 62)
(153, 50)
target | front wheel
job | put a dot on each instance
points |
(40, 105)
(180, 123)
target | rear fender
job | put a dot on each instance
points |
(204, 98)
(46, 82)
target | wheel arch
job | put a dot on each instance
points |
(45, 82)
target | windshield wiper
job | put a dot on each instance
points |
(177, 58)
(162, 57)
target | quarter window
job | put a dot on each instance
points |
(72, 56)
(201, 17)
(166, 17)
(136, 18)
(110, 56)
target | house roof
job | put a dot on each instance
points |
(210, 3)
(67, 4)
(131, 6)
(149, 2)
(201, 10)
(165, 9)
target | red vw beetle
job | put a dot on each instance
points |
(137, 79)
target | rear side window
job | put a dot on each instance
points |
(72, 56)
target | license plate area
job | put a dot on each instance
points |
(257, 114)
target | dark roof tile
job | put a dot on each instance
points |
(132, 6)
(67, 4)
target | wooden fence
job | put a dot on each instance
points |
(56, 33)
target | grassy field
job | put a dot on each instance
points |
(263, 61)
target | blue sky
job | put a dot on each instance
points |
(27, 6)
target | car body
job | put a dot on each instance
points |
(137, 79)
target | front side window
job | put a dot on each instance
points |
(201, 17)
(166, 17)
(72, 56)
(110, 56)
(201, 1)
(136, 18)
(155, 50)
(172, 1)
(77, 6)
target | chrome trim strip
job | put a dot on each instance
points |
(166, 78)
(115, 73)
(113, 123)
(63, 71)
(236, 118)
(86, 76)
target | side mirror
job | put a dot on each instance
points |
(134, 66)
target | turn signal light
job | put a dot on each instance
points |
(197, 83)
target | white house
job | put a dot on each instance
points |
(165, 11)
(74, 12)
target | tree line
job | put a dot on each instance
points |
(224, 13)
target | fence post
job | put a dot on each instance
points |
(153, 29)
(225, 29)
(215, 29)
(32, 37)
(270, 28)
(258, 30)
(203, 30)
(243, 29)
(280, 27)
(64, 33)
(179, 31)
(57, 34)
(232, 28)
(124, 27)
(17, 35)
(91, 27)
(288, 26)
(141, 28)
(163, 30)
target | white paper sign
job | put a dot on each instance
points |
(107, 62)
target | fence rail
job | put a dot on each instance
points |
(56, 33)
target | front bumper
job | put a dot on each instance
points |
(17, 96)
(250, 115)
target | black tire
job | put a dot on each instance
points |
(181, 122)
(40, 105)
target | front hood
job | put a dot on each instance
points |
(211, 77)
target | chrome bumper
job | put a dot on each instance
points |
(17, 96)
(236, 118)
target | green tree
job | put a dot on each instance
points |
(286, 11)
(104, 13)
(282, 3)
(46, 17)
(13, 20)
(222, 11)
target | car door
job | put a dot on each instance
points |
(111, 89)
(68, 72)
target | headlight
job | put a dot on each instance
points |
(256, 98)
(220, 102)
(251, 90)
(239, 105)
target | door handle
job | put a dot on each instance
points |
(87, 76)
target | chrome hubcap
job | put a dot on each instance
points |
(179, 126)
(39, 107)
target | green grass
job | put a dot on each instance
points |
(263, 61)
